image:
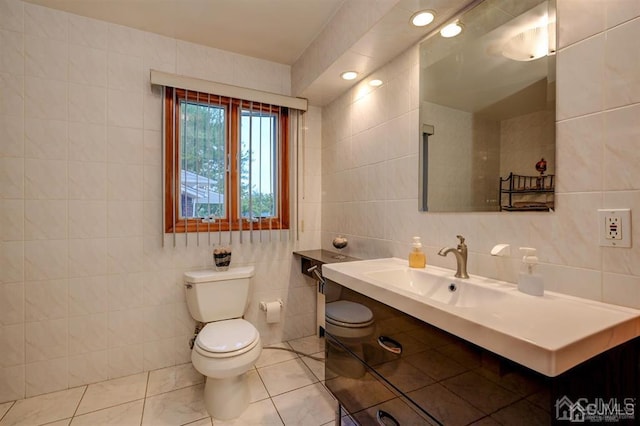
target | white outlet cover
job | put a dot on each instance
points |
(624, 216)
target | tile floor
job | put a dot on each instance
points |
(285, 390)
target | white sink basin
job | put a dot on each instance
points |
(464, 293)
(549, 334)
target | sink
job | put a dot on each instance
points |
(463, 293)
(549, 334)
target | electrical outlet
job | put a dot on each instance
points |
(615, 227)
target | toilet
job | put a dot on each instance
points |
(227, 346)
(353, 324)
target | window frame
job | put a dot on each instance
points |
(174, 223)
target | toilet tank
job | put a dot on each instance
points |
(218, 295)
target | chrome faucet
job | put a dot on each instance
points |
(460, 253)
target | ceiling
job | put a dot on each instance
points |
(275, 30)
(281, 30)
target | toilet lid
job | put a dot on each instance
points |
(344, 311)
(226, 336)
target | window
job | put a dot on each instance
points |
(226, 163)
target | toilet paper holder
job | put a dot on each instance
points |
(263, 305)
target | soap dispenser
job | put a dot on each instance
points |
(417, 258)
(530, 281)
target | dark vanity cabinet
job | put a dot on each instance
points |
(408, 372)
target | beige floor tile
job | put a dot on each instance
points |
(308, 345)
(175, 408)
(256, 387)
(44, 408)
(308, 406)
(274, 356)
(5, 407)
(64, 422)
(202, 422)
(128, 414)
(259, 413)
(172, 378)
(113, 392)
(286, 376)
(174, 396)
(316, 367)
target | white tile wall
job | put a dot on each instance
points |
(597, 140)
(88, 291)
(64, 131)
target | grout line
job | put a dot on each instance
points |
(144, 401)
(106, 408)
(278, 412)
(192, 385)
(86, 387)
(8, 409)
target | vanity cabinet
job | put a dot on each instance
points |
(365, 397)
(409, 372)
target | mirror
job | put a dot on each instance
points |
(487, 111)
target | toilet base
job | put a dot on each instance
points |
(227, 398)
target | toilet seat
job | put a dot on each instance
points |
(228, 338)
(343, 313)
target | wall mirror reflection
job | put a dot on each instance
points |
(487, 110)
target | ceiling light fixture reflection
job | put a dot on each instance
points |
(528, 45)
(451, 30)
(375, 82)
(422, 18)
(349, 75)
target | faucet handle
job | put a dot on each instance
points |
(461, 238)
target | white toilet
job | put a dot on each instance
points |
(228, 346)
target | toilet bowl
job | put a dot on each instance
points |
(224, 351)
(227, 346)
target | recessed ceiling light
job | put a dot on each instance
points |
(422, 18)
(451, 30)
(375, 82)
(349, 75)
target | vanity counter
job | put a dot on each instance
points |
(549, 334)
(324, 256)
